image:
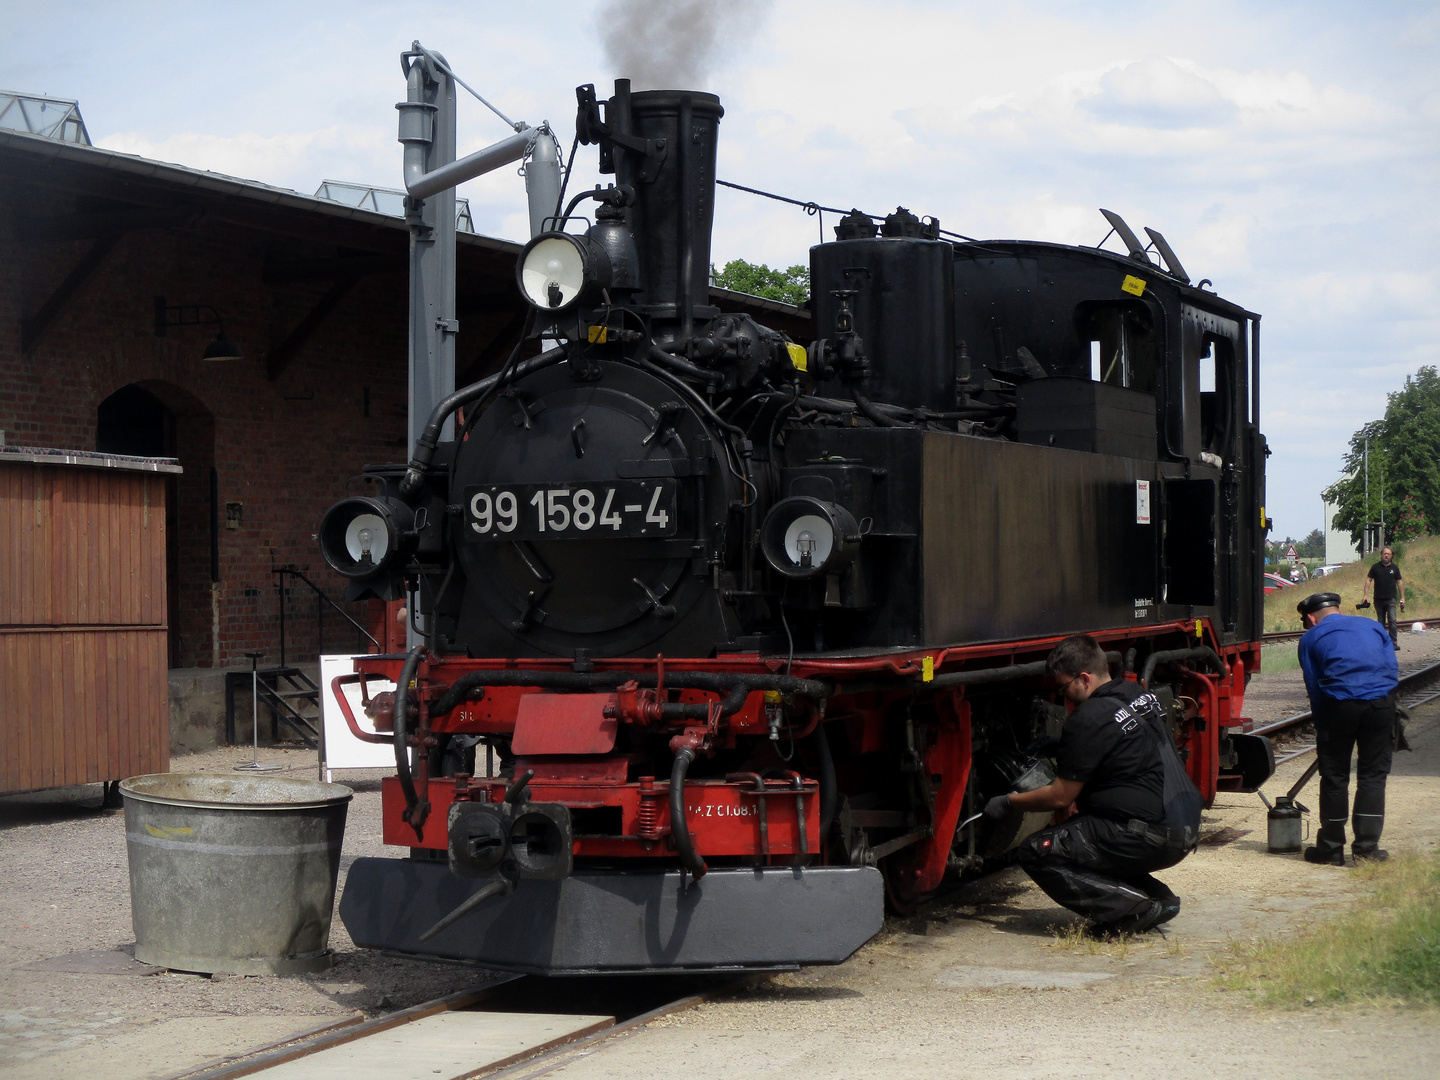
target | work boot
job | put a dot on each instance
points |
(1325, 858)
(1148, 917)
(1168, 910)
(1373, 855)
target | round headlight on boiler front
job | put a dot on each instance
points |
(361, 536)
(804, 536)
(558, 269)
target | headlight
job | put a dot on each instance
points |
(362, 536)
(557, 269)
(803, 536)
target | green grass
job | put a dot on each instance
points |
(1280, 657)
(1419, 561)
(1384, 949)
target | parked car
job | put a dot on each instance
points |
(1321, 571)
(1275, 581)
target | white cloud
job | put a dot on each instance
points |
(288, 159)
(1159, 93)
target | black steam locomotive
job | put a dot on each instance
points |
(747, 623)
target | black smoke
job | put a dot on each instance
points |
(675, 44)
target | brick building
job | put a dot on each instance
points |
(118, 273)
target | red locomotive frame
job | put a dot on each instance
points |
(566, 739)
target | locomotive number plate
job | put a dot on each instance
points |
(626, 508)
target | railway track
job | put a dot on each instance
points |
(1295, 635)
(1417, 686)
(514, 1026)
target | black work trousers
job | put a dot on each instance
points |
(1341, 727)
(1099, 868)
(1386, 613)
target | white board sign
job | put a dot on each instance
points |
(1142, 502)
(342, 750)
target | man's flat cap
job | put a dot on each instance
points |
(1315, 601)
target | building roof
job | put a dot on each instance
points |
(43, 155)
(44, 455)
(48, 117)
(389, 201)
(155, 185)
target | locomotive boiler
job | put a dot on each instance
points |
(725, 633)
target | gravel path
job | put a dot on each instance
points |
(987, 990)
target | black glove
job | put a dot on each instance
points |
(998, 808)
(1043, 746)
(1362, 604)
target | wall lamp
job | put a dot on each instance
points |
(168, 315)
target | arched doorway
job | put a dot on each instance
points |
(154, 419)
(134, 421)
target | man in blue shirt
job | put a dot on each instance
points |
(1351, 674)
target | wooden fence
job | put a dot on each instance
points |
(84, 692)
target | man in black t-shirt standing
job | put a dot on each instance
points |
(1099, 862)
(1386, 575)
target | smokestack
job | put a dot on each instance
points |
(670, 163)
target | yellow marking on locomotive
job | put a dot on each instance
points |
(598, 335)
(1133, 285)
(799, 358)
(1198, 631)
(927, 669)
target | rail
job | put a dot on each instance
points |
(321, 599)
(1414, 689)
(633, 1005)
(1294, 635)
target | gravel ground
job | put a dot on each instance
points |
(986, 983)
(67, 890)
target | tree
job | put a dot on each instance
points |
(790, 286)
(1404, 464)
(1409, 524)
(1313, 546)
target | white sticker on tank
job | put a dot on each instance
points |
(1142, 502)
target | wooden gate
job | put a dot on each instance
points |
(84, 691)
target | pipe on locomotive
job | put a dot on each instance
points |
(424, 450)
(401, 728)
(972, 677)
(736, 687)
(838, 407)
(1199, 652)
(679, 826)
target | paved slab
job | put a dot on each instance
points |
(95, 962)
(442, 1047)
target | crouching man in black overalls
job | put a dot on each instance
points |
(1139, 812)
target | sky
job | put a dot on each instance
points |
(1288, 151)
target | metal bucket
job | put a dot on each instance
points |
(233, 873)
(1017, 828)
(1284, 826)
